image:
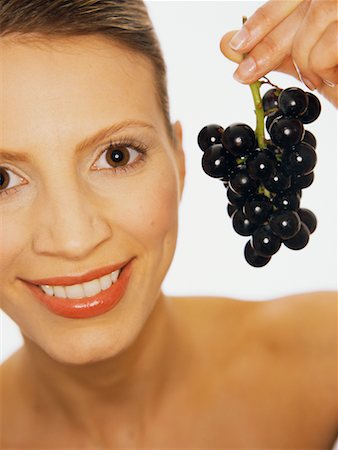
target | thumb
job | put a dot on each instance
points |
(286, 66)
(227, 51)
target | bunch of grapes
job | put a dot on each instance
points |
(264, 183)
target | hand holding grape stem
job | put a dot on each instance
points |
(297, 37)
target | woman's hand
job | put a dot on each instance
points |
(297, 37)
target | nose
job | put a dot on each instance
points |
(71, 225)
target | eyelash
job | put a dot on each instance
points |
(14, 189)
(123, 142)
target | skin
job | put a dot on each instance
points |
(47, 228)
(126, 385)
(277, 37)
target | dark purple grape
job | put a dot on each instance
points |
(300, 240)
(274, 150)
(234, 198)
(298, 192)
(242, 183)
(293, 102)
(285, 224)
(242, 225)
(231, 209)
(286, 132)
(239, 139)
(287, 200)
(258, 208)
(280, 181)
(271, 117)
(270, 100)
(308, 218)
(209, 135)
(310, 139)
(302, 181)
(313, 110)
(264, 242)
(253, 258)
(216, 162)
(300, 160)
(261, 165)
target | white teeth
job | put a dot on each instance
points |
(82, 290)
(60, 291)
(114, 275)
(75, 291)
(105, 282)
(47, 289)
(91, 288)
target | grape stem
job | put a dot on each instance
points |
(259, 132)
(259, 114)
(267, 81)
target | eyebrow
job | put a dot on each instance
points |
(90, 141)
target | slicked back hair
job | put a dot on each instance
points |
(124, 21)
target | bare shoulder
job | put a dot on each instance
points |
(301, 324)
(280, 355)
(292, 320)
(303, 319)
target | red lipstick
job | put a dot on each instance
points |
(78, 279)
(86, 307)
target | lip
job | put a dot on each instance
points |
(78, 279)
(86, 307)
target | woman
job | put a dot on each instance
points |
(129, 367)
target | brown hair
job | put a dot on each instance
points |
(125, 21)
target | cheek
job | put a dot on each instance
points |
(149, 212)
(13, 236)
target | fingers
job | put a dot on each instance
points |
(227, 50)
(286, 66)
(270, 52)
(330, 93)
(323, 59)
(318, 18)
(262, 22)
(290, 36)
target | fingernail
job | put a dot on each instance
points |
(245, 69)
(297, 69)
(308, 83)
(329, 83)
(239, 39)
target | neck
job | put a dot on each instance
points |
(128, 385)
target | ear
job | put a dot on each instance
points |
(179, 153)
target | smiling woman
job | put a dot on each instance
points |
(91, 177)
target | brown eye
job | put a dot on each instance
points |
(121, 157)
(4, 178)
(118, 156)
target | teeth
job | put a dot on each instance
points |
(75, 291)
(105, 282)
(60, 291)
(114, 276)
(48, 290)
(82, 290)
(91, 288)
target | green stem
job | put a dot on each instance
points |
(258, 108)
(259, 114)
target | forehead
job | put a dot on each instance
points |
(86, 79)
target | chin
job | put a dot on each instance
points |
(82, 346)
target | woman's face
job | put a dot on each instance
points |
(66, 206)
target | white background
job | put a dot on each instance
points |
(209, 259)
